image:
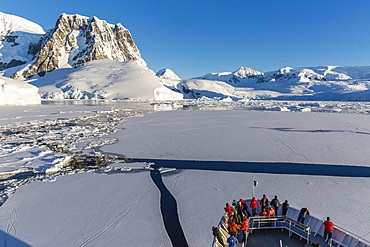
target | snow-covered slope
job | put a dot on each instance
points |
(104, 79)
(14, 92)
(196, 88)
(78, 39)
(16, 38)
(15, 23)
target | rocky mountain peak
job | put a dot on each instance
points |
(78, 39)
(244, 72)
(167, 74)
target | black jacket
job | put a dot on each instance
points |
(216, 232)
(275, 202)
(304, 211)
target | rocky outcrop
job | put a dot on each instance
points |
(77, 39)
(12, 63)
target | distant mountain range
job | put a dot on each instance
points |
(52, 61)
(310, 83)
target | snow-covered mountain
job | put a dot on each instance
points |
(167, 74)
(26, 52)
(16, 38)
(14, 92)
(104, 79)
(232, 77)
(310, 83)
(324, 73)
(70, 50)
(77, 39)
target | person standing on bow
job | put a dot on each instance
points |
(285, 207)
(302, 215)
(275, 203)
(328, 229)
(264, 201)
(254, 205)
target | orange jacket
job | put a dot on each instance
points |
(244, 226)
(271, 212)
(233, 227)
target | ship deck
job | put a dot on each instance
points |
(272, 238)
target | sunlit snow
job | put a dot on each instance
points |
(14, 92)
(120, 204)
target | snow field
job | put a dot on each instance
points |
(120, 204)
(319, 138)
(86, 209)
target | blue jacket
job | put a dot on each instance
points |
(232, 241)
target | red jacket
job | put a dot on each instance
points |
(254, 203)
(243, 203)
(228, 209)
(328, 226)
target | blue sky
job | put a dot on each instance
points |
(196, 37)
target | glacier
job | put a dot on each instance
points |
(14, 92)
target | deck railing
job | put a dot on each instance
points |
(344, 238)
(313, 226)
(280, 222)
(340, 237)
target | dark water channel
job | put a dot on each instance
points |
(169, 212)
(263, 167)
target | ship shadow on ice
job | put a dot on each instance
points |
(8, 240)
(263, 167)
